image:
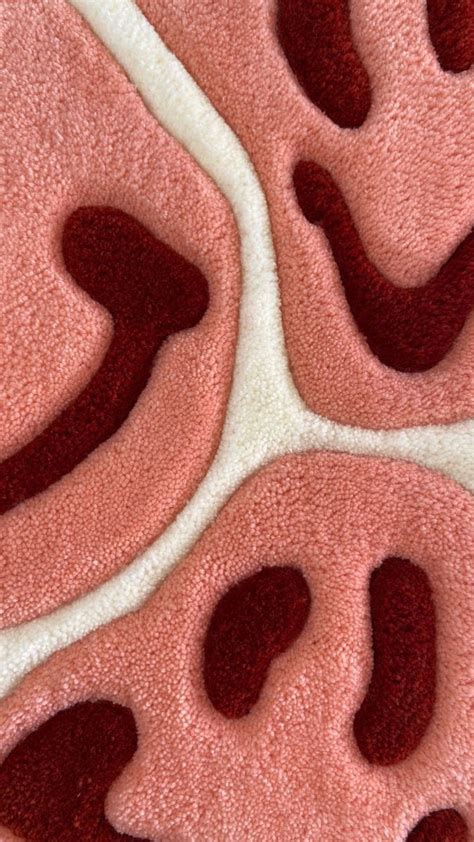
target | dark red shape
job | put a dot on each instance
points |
(442, 826)
(451, 25)
(54, 782)
(409, 329)
(256, 620)
(399, 703)
(151, 292)
(316, 38)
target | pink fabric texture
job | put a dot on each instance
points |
(78, 134)
(291, 768)
(118, 500)
(407, 175)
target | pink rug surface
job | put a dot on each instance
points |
(237, 421)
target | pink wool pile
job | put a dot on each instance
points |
(78, 132)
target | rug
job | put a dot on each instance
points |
(237, 425)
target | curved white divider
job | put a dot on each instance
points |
(266, 416)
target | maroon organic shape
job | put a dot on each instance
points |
(151, 292)
(54, 782)
(407, 328)
(399, 703)
(254, 622)
(442, 826)
(451, 25)
(316, 38)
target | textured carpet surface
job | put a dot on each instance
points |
(236, 428)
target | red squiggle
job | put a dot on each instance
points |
(256, 620)
(442, 826)
(399, 703)
(451, 25)
(54, 782)
(316, 38)
(407, 328)
(151, 292)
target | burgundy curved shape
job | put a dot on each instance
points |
(408, 329)
(442, 826)
(151, 292)
(316, 38)
(399, 703)
(451, 26)
(54, 782)
(255, 621)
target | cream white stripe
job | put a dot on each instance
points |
(266, 417)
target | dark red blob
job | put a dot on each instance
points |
(408, 329)
(54, 782)
(316, 38)
(399, 703)
(451, 25)
(442, 826)
(151, 292)
(256, 620)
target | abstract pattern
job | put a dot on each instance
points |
(115, 502)
(405, 174)
(237, 529)
(150, 293)
(407, 328)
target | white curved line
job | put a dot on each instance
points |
(266, 416)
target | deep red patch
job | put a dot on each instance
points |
(451, 25)
(54, 782)
(151, 292)
(256, 620)
(316, 38)
(409, 329)
(399, 703)
(442, 826)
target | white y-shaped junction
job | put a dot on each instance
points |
(266, 416)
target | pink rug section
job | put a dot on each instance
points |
(407, 175)
(67, 100)
(293, 763)
(289, 766)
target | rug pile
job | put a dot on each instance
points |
(236, 473)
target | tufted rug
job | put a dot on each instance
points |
(236, 428)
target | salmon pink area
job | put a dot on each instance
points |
(451, 28)
(316, 39)
(54, 782)
(409, 329)
(78, 135)
(400, 698)
(441, 826)
(407, 176)
(290, 767)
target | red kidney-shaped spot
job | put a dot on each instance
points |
(408, 328)
(151, 292)
(399, 703)
(54, 782)
(254, 622)
(315, 36)
(451, 26)
(442, 826)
